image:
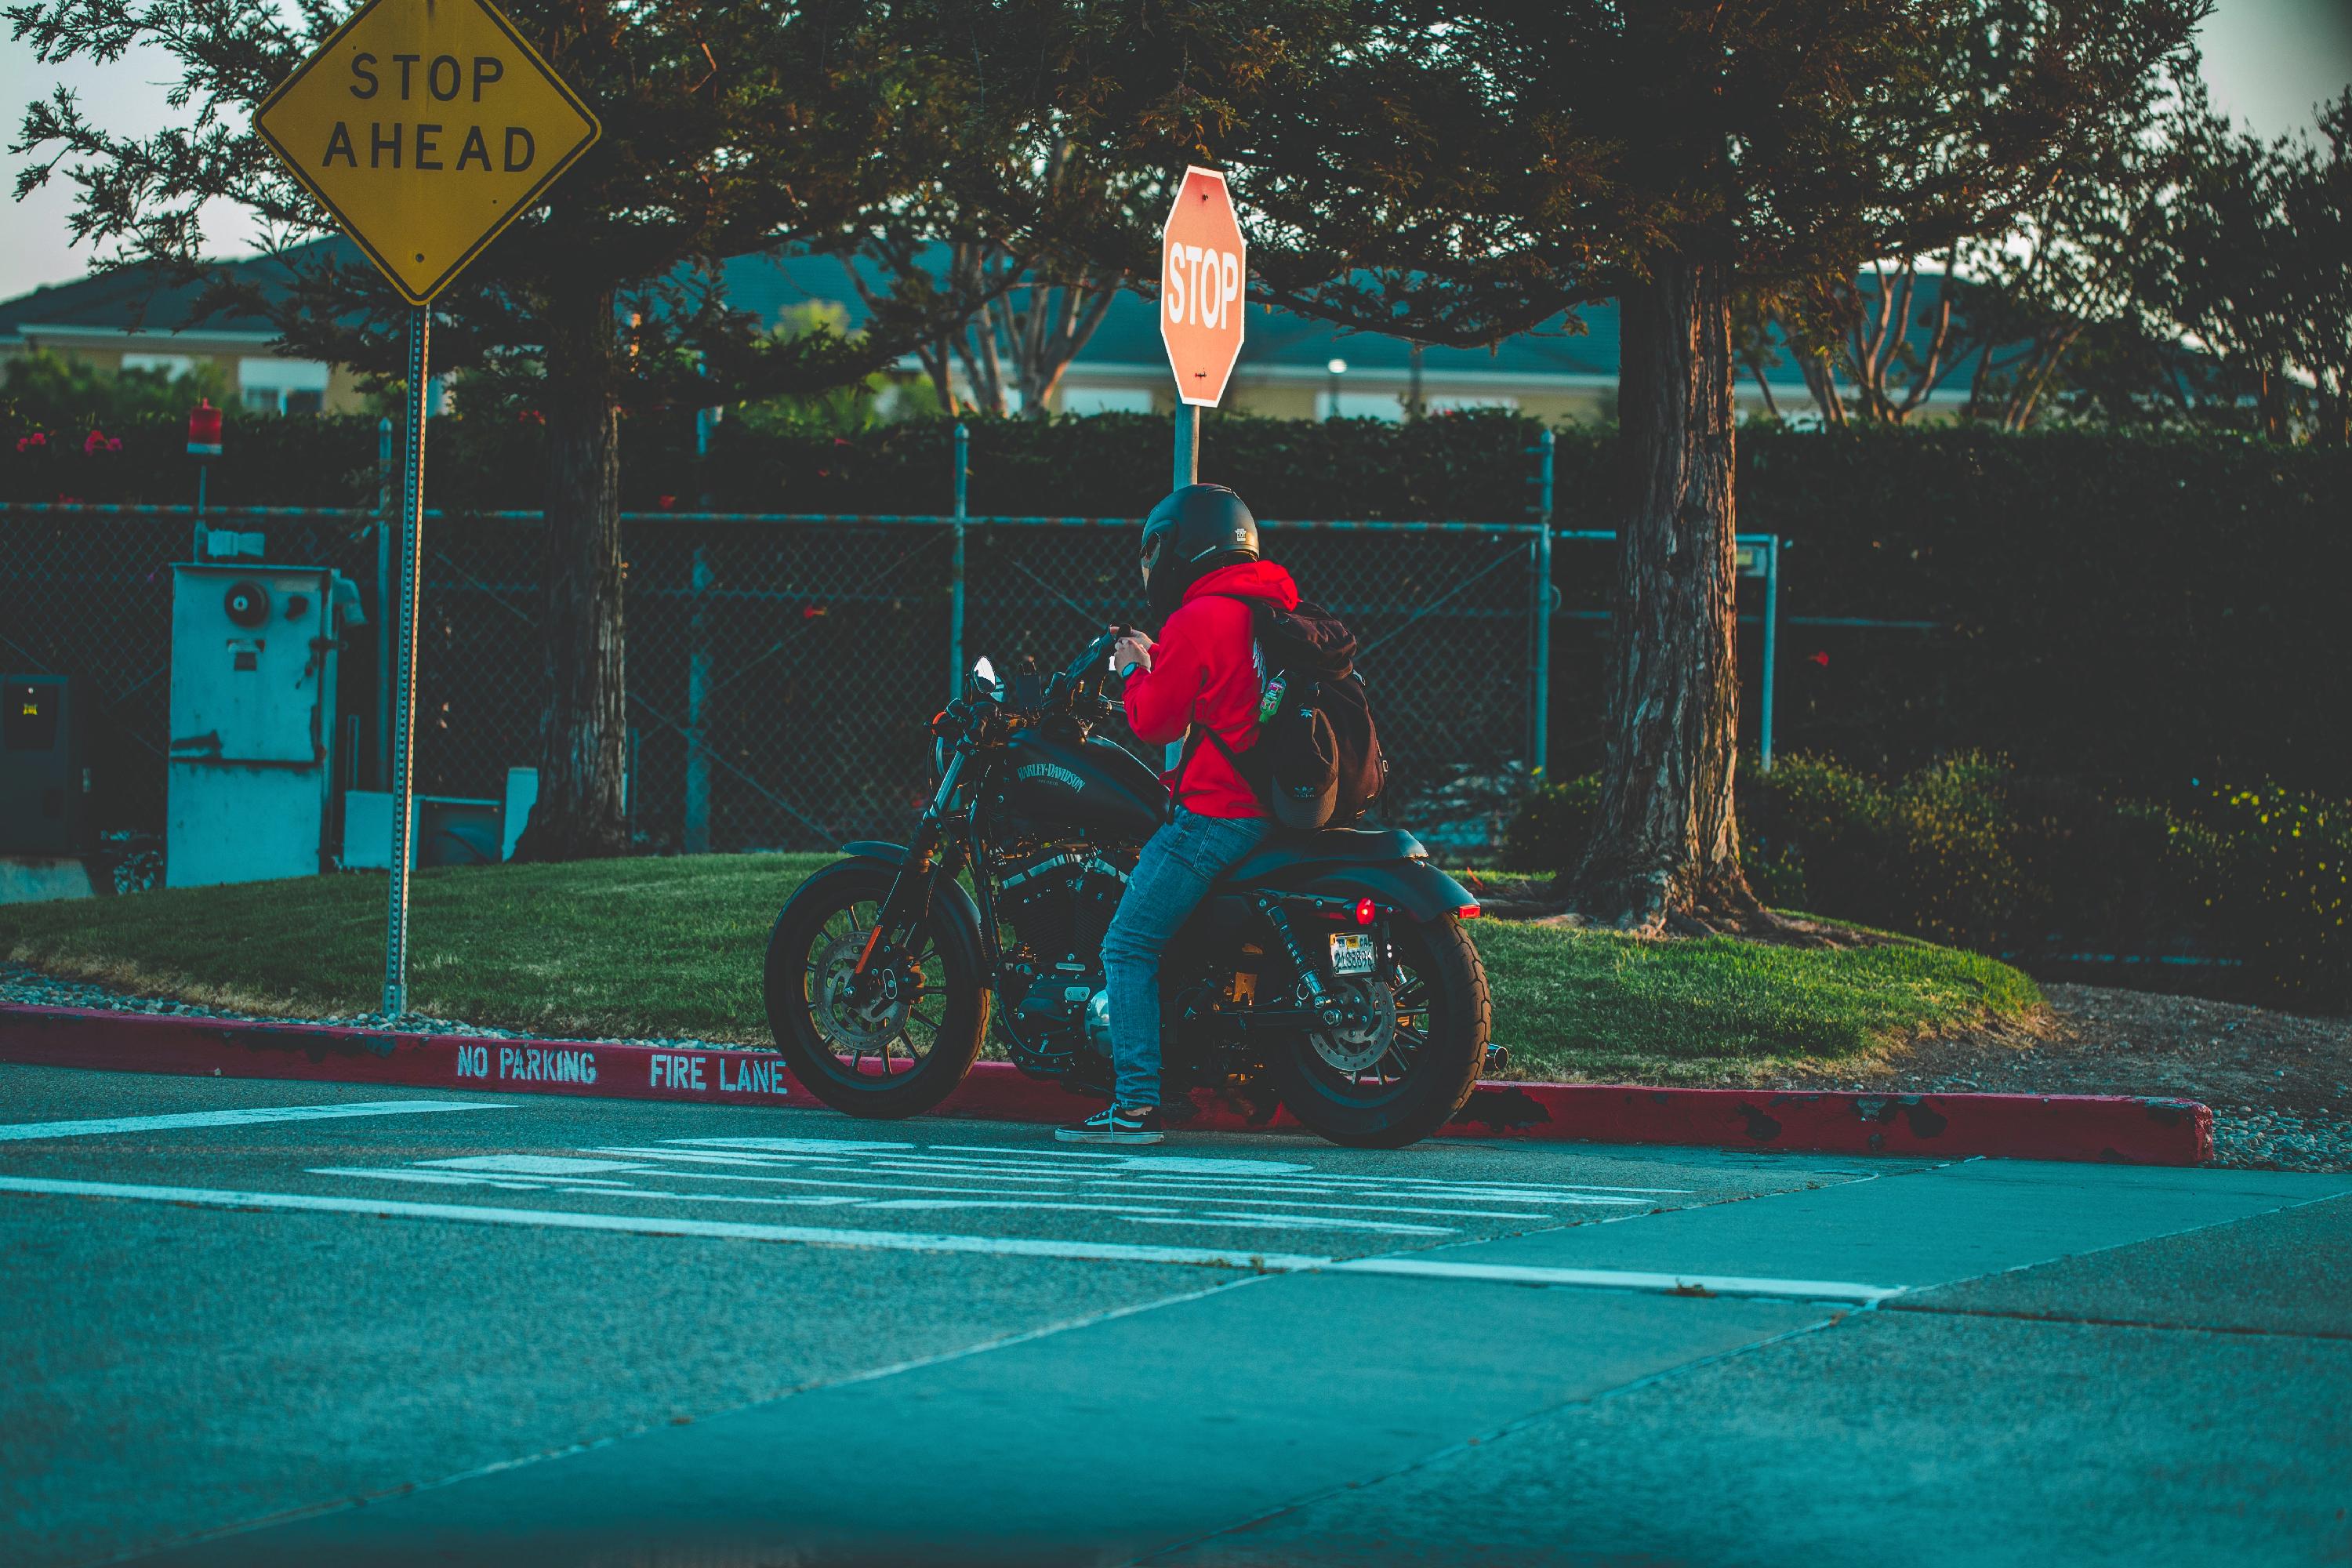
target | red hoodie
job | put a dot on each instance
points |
(1204, 670)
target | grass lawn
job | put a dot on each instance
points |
(672, 948)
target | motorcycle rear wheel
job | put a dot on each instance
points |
(1407, 1082)
(886, 1057)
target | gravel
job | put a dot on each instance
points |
(30, 988)
(2276, 1140)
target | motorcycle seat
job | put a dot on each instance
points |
(1282, 848)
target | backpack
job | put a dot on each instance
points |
(1317, 762)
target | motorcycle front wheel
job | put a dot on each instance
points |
(1402, 1073)
(899, 1044)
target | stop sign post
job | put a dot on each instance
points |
(1202, 270)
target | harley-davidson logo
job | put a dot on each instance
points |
(1059, 774)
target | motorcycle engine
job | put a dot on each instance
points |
(1059, 904)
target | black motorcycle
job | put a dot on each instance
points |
(1330, 969)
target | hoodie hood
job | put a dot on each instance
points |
(1248, 580)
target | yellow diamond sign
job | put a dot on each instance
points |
(425, 127)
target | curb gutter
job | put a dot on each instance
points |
(2112, 1129)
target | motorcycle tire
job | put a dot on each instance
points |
(829, 1042)
(1441, 981)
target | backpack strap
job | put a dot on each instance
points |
(1198, 734)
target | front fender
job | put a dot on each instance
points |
(959, 896)
(1415, 887)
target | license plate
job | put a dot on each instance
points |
(1351, 952)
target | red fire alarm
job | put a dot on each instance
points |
(204, 430)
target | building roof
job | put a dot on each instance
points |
(136, 298)
(1273, 338)
(1278, 344)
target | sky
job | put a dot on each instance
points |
(2268, 63)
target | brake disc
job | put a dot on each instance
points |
(845, 1020)
(1360, 1045)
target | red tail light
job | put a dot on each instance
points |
(1366, 911)
(1468, 912)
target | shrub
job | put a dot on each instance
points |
(2284, 889)
(1973, 852)
(1551, 825)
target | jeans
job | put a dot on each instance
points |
(1171, 876)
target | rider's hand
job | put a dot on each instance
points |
(1132, 651)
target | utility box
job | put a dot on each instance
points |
(44, 783)
(253, 720)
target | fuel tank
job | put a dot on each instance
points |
(1053, 785)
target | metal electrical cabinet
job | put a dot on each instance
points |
(253, 720)
(43, 784)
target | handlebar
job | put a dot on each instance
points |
(1096, 652)
(1066, 686)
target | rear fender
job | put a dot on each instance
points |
(1415, 889)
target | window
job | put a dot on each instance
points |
(1106, 399)
(1351, 403)
(174, 366)
(1457, 401)
(283, 385)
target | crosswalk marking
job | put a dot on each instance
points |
(1228, 1195)
(1418, 1265)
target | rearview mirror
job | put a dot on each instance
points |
(984, 678)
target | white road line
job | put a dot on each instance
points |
(1136, 1172)
(13, 1130)
(1212, 1219)
(560, 1219)
(1141, 1190)
(1246, 1190)
(853, 1186)
(994, 1245)
(433, 1178)
(1621, 1279)
(1215, 1166)
(795, 1146)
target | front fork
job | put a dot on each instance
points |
(908, 903)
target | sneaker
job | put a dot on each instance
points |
(1114, 1125)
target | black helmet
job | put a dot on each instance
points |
(1197, 528)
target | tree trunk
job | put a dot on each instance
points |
(581, 811)
(1665, 847)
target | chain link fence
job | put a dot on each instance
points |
(782, 670)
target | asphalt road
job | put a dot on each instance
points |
(278, 1323)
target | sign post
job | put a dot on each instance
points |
(1201, 272)
(424, 127)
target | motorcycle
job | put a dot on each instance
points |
(1330, 969)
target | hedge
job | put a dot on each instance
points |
(1971, 852)
(2145, 612)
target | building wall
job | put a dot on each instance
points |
(245, 363)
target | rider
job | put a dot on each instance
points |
(1199, 563)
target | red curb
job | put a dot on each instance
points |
(2115, 1129)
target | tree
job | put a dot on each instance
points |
(2221, 274)
(2072, 259)
(728, 129)
(1896, 370)
(1457, 173)
(2318, 203)
(1039, 297)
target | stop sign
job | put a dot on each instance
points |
(1200, 280)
